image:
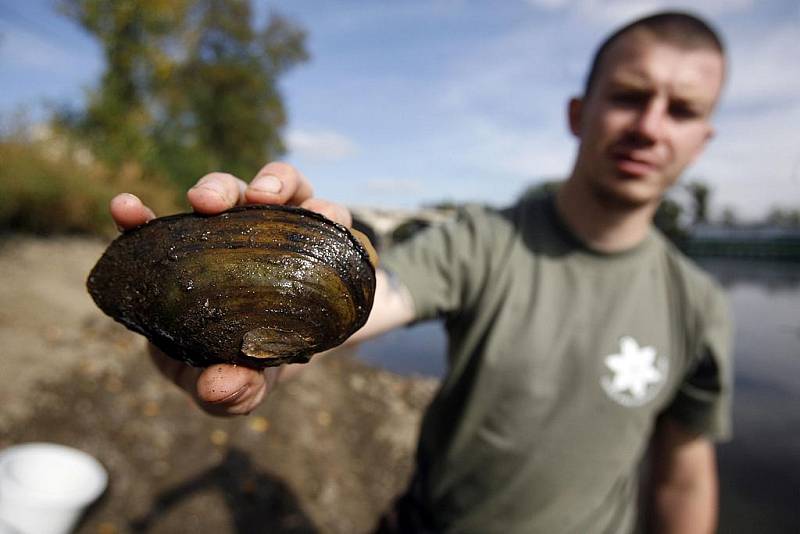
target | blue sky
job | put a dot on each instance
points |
(406, 103)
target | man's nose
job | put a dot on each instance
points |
(651, 120)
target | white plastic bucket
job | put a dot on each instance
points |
(45, 487)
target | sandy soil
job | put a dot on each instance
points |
(326, 453)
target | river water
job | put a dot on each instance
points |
(760, 467)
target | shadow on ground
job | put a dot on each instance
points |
(327, 453)
(256, 501)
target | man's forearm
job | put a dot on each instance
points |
(689, 508)
(684, 487)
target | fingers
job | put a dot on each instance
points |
(279, 183)
(221, 389)
(226, 389)
(129, 212)
(275, 183)
(216, 192)
(180, 373)
(331, 210)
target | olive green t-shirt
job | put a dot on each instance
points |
(560, 361)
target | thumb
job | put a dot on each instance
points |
(226, 389)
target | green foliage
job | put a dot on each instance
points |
(543, 187)
(119, 113)
(729, 217)
(190, 85)
(668, 220)
(40, 195)
(786, 217)
(48, 187)
(700, 194)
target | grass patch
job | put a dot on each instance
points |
(49, 187)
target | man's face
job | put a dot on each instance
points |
(645, 119)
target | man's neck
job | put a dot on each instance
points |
(600, 225)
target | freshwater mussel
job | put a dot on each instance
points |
(255, 285)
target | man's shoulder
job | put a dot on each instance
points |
(492, 222)
(700, 287)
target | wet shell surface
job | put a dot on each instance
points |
(255, 285)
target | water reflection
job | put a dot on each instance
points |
(760, 468)
(418, 349)
(770, 276)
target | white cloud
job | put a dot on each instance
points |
(320, 145)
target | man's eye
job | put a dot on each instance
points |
(629, 98)
(683, 111)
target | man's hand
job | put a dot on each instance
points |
(227, 389)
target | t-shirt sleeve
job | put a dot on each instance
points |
(704, 399)
(442, 265)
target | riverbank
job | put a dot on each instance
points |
(327, 453)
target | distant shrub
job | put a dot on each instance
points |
(409, 229)
(47, 188)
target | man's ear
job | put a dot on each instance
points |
(574, 112)
(701, 146)
(710, 133)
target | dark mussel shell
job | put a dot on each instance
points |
(255, 285)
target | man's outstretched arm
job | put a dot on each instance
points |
(684, 488)
(232, 390)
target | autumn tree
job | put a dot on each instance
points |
(190, 86)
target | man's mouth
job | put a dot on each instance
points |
(633, 165)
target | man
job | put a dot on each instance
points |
(578, 335)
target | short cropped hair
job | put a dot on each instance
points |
(674, 27)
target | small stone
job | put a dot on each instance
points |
(219, 437)
(151, 409)
(357, 382)
(53, 334)
(258, 424)
(324, 418)
(113, 385)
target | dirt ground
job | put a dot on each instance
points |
(326, 453)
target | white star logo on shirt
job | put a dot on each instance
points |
(635, 370)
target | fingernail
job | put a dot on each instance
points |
(229, 399)
(267, 184)
(214, 187)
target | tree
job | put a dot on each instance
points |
(729, 217)
(190, 85)
(788, 217)
(700, 193)
(668, 220)
(225, 109)
(117, 117)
